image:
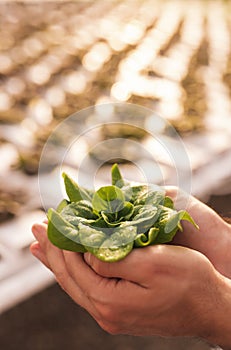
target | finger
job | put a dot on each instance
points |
(171, 191)
(185, 201)
(99, 290)
(53, 257)
(142, 263)
(181, 199)
(134, 268)
(84, 276)
(39, 231)
(37, 252)
(56, 261)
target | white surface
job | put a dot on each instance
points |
(24, 284)
(21, 275)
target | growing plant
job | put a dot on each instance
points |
(113, 220)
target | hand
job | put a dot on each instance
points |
(213, 239)
(159, 290)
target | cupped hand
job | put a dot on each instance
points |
(213, 238)
(159, 290)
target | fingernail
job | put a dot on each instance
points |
(37, 230)
(40, 227)
(35, 250)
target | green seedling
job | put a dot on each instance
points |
(115, 219)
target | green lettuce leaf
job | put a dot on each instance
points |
(62, 234)
(112, 221)
(74, 192)
(109, 199)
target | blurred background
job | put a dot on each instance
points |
(59, 57)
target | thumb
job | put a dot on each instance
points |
(134, 268)
(143, 265)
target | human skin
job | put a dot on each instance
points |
(164, 290)
(213, 238)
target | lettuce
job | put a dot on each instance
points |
(113, 220)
